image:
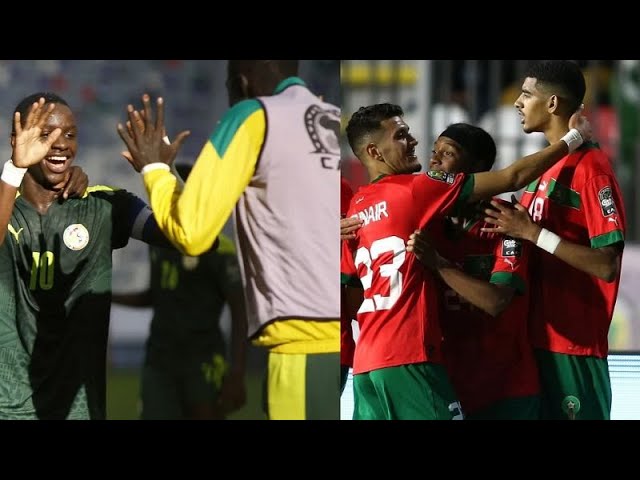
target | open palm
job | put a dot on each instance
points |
(30, 147)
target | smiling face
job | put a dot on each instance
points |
(52, 169)
(533, 107)
(396, 147)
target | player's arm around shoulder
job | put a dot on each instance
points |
(131, 217)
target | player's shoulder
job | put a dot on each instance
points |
(108, 193)
(593, 161)
(242, 110)
(439, 176)
(103, 189)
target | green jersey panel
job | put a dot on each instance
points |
(53, 336)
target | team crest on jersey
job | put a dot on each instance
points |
(607, 204)
(441, 176)
(511, 247)
(323, 127)
(76, 236)
(190, 263)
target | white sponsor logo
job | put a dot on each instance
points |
(506, 260)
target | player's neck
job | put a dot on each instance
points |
(375, 174)
(40, 197)
(556, 130)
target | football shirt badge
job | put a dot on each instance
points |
(571, 406)
(76, 236)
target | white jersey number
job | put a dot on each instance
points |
(536, 208)
(365, 256)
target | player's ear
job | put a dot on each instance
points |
(373, 151)
(243, 85)
(552, 103)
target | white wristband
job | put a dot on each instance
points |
(573, 139)
(154, 166)
(12, 175)
(548, 241)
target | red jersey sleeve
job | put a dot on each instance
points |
(601, 201)
(346, 193)
(511, 263)
(348, 272)
(442, 193)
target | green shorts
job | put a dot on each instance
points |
(420, 391)
(303, 386)
(573, 387)
(344, 375)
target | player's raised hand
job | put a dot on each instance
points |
(513, 221)
(581, 123)
(145, 139)
(31, 146)
(169, 150)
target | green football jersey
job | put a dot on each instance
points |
(55, 295)
(188, 295)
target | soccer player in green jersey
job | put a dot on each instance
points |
(55, 272)
(185, 373)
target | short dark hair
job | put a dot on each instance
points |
(25, 104)
(479, 147)
(367, 120)
(563, 77)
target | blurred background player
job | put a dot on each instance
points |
(484, 299)
(282, 217)
(186, 374)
